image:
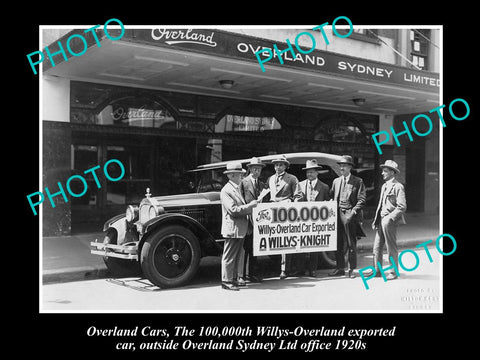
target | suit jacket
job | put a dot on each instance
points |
(395, 202)
(234, 212)
(356, 193)
(286, 189)
(323, 192)
(247, 190)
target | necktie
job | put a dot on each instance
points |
(310, 198)
(277, 183)
(255, 187)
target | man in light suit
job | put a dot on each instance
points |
(234, 224)
(250, 188)
(350, 193)
(310, 189)
(282, 187)
(390, 212)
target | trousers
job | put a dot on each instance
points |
(347, 236)
(386, 235)
(232, 259)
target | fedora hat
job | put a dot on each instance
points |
(391, 165)
(254, 161)
(312, 164)
(281, 159)
(346, 159)
(234, 167)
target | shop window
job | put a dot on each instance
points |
(108, 105)
(362, 34)
(137, 162)
(339, 131)
(84, 157)
(419, 47)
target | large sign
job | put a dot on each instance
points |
(285, 228)
(232, 45)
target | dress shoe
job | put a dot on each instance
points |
(229, 286)
(240, 282)
(283, 275)
(369, 273)
(391, 276)
(351, 274)
(337, 272)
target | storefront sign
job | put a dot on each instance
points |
(285, 228)
(232, 45)
(122, 114)
(251, 123)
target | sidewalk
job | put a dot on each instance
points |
(68, 258)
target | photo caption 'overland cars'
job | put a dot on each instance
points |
(166, 236)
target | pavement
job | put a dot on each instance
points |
(68, 258)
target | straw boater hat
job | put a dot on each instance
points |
(234, 167)
(312, 164)
(281, 159)
(391, 165)
(346, 159)
(254, 161)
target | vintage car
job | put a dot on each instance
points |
(164, 237)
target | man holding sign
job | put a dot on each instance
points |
(251, 188)
(311, 189)
(235, 223)
(282, 187)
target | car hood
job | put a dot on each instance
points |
(192, 199)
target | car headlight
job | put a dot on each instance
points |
(131, 213)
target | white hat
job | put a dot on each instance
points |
(391, 165)
(234, 167)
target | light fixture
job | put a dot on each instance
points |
(226, 84)
(359, 101)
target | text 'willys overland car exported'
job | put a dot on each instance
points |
(164, 237)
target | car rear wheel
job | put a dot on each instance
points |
(120, 267)
(170, 256)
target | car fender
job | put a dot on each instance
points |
(207, 242)
(119, 223)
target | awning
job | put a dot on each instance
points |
(196, 60)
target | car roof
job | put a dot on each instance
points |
(294, 158)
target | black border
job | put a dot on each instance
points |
(417, 335)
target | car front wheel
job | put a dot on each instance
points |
(170, 256)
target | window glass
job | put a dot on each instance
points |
(84, 157)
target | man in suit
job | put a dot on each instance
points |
(390, 212)
(250, 188)
(310, 189)
(235, 221)
(350, 193)
(282, 187)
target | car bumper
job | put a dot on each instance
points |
(127, 251)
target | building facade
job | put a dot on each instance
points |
(165, 100)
